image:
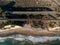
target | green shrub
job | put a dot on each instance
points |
(51, 24)
(4, 24)
(1, 11)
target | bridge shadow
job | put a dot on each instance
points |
(7, 6)
(10, 7)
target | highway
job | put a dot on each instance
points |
(32, 12)
(29, 19)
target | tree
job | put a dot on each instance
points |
(2, 14)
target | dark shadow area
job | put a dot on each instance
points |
(10, 7)
(7, 6)
(16, 16)
(30, 9)
(20, 23)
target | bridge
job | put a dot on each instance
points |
(53, 13)
(32, 12)
(31, 19)
(45, 13)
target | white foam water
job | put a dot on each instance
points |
(31, 38)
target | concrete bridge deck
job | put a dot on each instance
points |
(32, 12)
(29, 19)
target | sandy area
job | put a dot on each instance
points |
(29, 32)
